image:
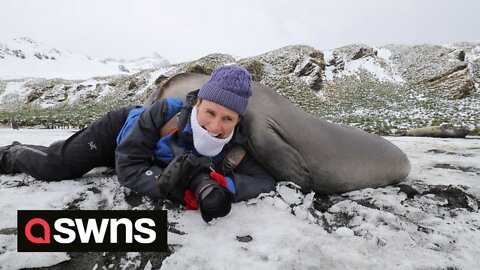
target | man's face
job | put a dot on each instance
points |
(218, 120)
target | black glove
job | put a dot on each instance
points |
(180, 172)
(214, 200)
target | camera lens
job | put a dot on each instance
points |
(215, 202)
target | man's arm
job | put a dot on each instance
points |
(134, 156)
(251, 179)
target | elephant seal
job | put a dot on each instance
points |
(311, 152)
(442, 131)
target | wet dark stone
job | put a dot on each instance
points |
(455, 196)
(410, 191)
(244, 239)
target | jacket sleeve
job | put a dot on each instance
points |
(134, 156)
(251, 179)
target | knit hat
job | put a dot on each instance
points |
(229, 86)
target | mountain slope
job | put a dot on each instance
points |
(384, 90)
(24, 57)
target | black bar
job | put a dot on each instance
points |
(43, 220)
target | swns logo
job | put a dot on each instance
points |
(99, 230)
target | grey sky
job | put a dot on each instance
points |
(183, 30)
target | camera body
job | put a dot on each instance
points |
(189, 171)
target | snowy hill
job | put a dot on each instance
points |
(385, 90)
(24, 58)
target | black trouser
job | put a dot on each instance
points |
(88, 148)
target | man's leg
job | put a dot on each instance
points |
(38, 161)
(86, 149)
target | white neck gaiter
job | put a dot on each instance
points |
(204, 143)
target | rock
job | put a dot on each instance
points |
(244, 239)
(255, 67)
(311, 69)
(364, 52)
(457, 81)
(196, 68)
(123, 68)
(337, 62)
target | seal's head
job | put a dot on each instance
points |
(229, 86)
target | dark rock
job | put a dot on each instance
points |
(455, 196)
(313, 69)
(9, 231)
(159, 81)
(364, 52)
(245, 238)
(461, 56)
(409, 190)
(196, 68)
(132, 85)
(123, 68)
(459, 168)
(255, 67)
(18, 53)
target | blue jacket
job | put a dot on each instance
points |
(142, 154)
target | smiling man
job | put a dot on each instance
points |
(188, 151)
(188, 165)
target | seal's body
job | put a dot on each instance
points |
(311, 152)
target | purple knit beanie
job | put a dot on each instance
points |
(229, 86)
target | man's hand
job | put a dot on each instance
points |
(181, 170)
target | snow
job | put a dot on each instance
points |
(16, 92)
(47, 62)
(12, 92)
(386, 54)
(153, 76)
(328, 56)
(381, 67)
(370, 65)
(383, 228)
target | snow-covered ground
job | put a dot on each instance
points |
(430, 221)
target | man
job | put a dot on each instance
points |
(186, 165)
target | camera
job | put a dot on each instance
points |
(214, 200)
